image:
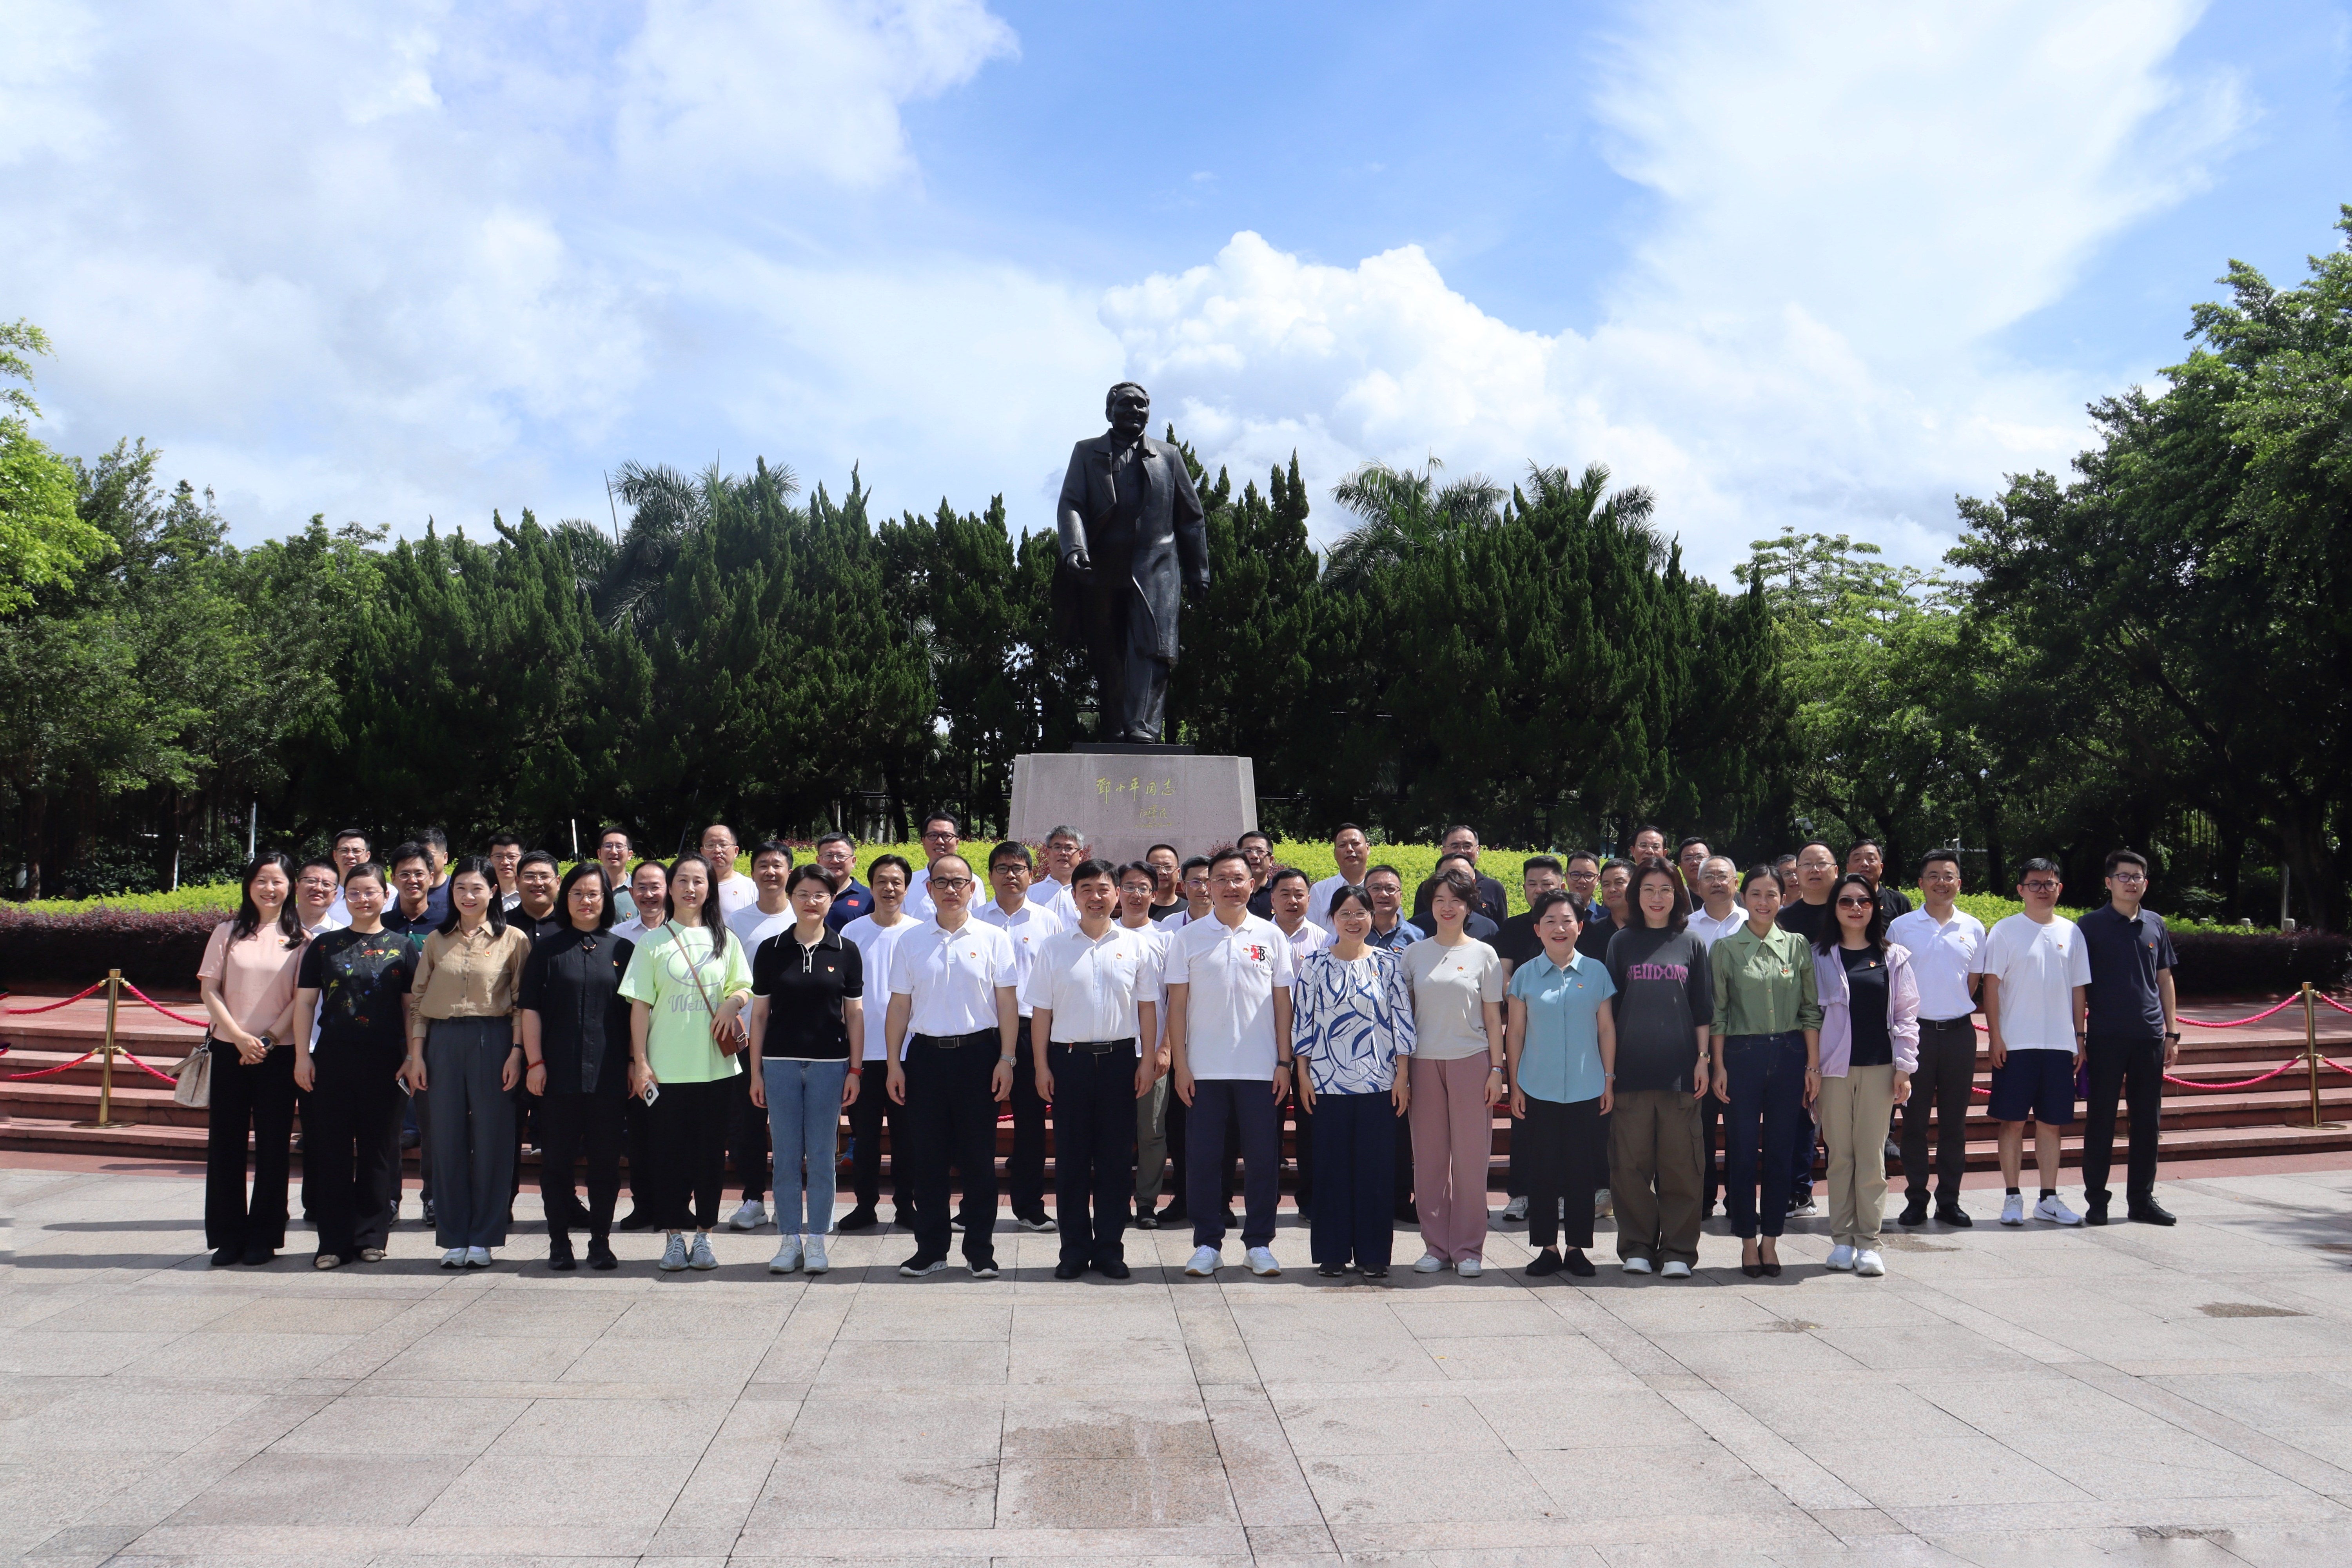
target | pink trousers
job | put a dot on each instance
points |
(1452, 1139)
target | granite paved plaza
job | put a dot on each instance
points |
(2029, 1397)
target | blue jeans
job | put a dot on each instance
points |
(1767, 1085)
(805, 1124)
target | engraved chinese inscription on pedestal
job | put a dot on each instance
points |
(1193, 803)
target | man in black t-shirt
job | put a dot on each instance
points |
(1865, 856)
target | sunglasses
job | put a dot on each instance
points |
(1853, 903)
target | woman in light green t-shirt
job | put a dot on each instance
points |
(688, 983)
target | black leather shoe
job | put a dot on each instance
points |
(225, 1256)
(2147, 1211)
(1068, 1270)
(1954, 1216)
(1114, 1268)
(1914, 1211)
(1147, 1220)
(257, 1254)
(859, 1218)
(2094, 1214)
(1172, 1214)
(1576, 1263)
(1543, 1262)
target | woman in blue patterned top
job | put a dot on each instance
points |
(1351, 1017)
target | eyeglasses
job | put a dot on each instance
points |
(2040, 887)
(951, 884)
(1853, 903)
(2128, 876)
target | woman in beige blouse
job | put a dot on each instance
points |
(466, 1042)
(247, 980)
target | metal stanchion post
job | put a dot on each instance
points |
(106, 1056)
(2311, 1052)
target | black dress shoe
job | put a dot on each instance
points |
(1543, 1262)
(2094, 1214)
(225, 1256)
(600, 1254)
(862, 1218)
(2147, 1211)
(1576, 1263)
(1068, 1270)
(1331, 1272)
(634, 1220)
(257, 1253)
(1147, 1220)
(1173, 1214)
(1953, 1214)
(1914, 1211)
(1114, 1268)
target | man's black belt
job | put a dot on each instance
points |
(955, 1042)
(1097, 1048)
(1940, 1022)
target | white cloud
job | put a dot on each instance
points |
(1852, 201)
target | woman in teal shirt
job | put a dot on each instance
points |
(686, 984)
(1562, 1037)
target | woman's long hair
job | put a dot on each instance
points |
(479, 866)
(712, 918)
(1834, 930)
(248, 914)
(563, 893)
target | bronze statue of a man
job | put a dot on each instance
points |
(1133, 539)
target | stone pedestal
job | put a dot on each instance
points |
(1127, 801)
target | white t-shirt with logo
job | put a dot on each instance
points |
(951, 977)
(751, 927)
(1231, 972)
(2038, 967)
(737, 892)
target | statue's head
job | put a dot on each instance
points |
(1128, 407)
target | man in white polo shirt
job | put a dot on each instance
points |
(950, 1033)
(1353, 851)
(1138, 884)
(2036, 972)
(1094, 990)
(1064, 849)
(735, 891)
(1229, 980)
(942, 835)
(1943, 940)
(1030, 924)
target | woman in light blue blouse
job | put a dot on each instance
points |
(1351, 1017)
(1561, 1037)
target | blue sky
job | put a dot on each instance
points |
(1809, 265)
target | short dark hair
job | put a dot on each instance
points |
(1347, 827)
(1193, 862)
(1157, 848)
(1679, 914)
(2040, 863)
(563, 893)
(342, 833)
(536, 858)
(1096, 865)
(1543, 904)
(773, 846)
(1872, 935)
(1576, 854)
(318, 863)
(611, 830)
(905, 870)
(1346, 892)
(1788, 859)
(1543, 863)
(1822, 843)
(1282, 872)
(368, 869)
(1248, 834)
(825, 838)
(727, 829)
(503, 841)
(2126, 857)
(1452, 829)
(1224, 852)
(811, 872)
(1149, 872)
(1865, 838)
(1373, 872)
(1753, 872)
(1617, 863)
(947, 816)
(1686, 843)
(432, 838)
(408, 849)
(1932, 856)
(1010, 849)
(1646, 828)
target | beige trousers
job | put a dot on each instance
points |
(1855, 1110)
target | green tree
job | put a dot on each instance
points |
(43, 540)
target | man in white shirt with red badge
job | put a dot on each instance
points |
(1030, 924)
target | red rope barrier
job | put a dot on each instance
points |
(2235, 1023)
(68, 1001)
(51, 1072)
(142, 1066)
(176, 1018)
(2334, 1004)
(2291, 1063)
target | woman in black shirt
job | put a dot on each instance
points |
(575, 1038)
(354, 981)
(1665, 1006)
(1870, 1044)
(808, 1050)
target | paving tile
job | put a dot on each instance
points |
(346, 1489)
(1113, 1494)
(1428, 1425)
(1389, 1489)
(570, 1428)
(1040, 1426)
(1940, 1472)
(430, 1427)
(530, 1491)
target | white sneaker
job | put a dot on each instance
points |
(1428, 1263)
(1204, 1262)
(1868, 1264)
(787, 1257)
(751, 1216)
(1636, 1265)
(1516, 1209)
(1468, 1269)
(1806, 1210)
(2012, 1209)
(2056, 1213)
(1678, 1269)
(812, 1258)
(454, 1258)
(1602, 1207)
(1262, 1263)
(1841, 1257)
(479, 1256)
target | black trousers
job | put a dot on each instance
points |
(2134, 1070)
(572, 1125)
(1250, 1103)
(1302, 1146)
(258, 1099)
(1024, 1173)
(1094, 1150)
(1402, 1189)
(350, 1144)
(746, 1137)
(872, 1108)
(637, 1145)
(1710, 1123)
(1948, 1068)
(1180, 1158)
(1562, 1137)
(690, 1153)
(951, 1116)
(1122, 644)
(1355, 1151)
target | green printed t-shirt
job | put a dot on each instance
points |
(662, 974)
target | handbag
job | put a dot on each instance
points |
(192, 1081)
(735, 1038)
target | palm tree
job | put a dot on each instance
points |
(1586, 498)
(666, 508)
(1403, 513)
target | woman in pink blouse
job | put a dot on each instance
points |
(247, 980)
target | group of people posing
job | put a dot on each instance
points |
(1168, 1018)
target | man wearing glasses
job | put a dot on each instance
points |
(1584, 884)
(950, 1033)
(2133, 1035)
(942, 835)
(1943, 940)
(2036, 969)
